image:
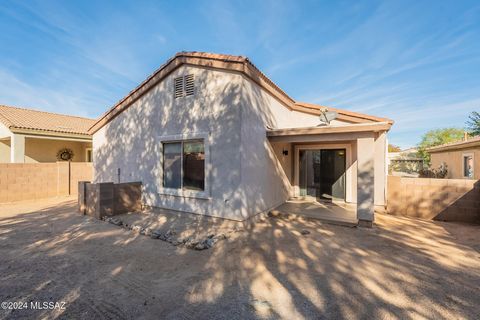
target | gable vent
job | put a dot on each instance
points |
(189, 85)
(178, 87)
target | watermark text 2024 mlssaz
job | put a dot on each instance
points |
(32, 305)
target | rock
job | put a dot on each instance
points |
(170, 232)
(305, 232)
(221, 236)
(115, 221)
(175, 242)
(156, 234)
(136, 228)
(147, 231)
(201, 246)
(163, 237)
(209, 242)
(191, 243)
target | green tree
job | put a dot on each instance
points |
(393, 148)
(437, 137)
(473, 123)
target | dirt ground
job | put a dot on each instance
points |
(400, 269)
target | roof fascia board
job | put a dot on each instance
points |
(50, 134)
(459, 146)
(373, 127)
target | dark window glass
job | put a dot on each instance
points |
(172, 165)
(468, 166)
(193, 165)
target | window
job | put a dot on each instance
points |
(468, 166)
(184, 165)
(184, 86)
(172, 165)
(88, 155)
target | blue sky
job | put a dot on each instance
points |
(416, 62)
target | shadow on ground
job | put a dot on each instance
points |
(402, 268)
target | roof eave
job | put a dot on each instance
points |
(462, 145)
(363, 127)
(51, 133)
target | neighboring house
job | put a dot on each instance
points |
(211, 134)
(407, 162)
(462, 158)
(37, 136)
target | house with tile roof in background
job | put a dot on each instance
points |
(31, 136)
(211, 134)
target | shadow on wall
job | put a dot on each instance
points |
(268, 271)
(242, 178)
(435, 199)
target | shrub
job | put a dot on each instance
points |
(439, 173)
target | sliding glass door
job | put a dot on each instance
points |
(322, 173)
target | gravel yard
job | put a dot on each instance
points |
(279, 268)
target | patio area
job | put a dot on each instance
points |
(330, 212)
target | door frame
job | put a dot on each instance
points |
(348, 166)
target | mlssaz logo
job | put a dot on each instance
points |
(36, 305)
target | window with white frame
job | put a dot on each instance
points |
(184, 165)
(468, 166)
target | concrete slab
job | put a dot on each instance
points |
(334, 213)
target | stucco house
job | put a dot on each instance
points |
(28, 136)
(461, 158)
(211, 134)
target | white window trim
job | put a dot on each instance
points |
(468, 154)
(205, 194)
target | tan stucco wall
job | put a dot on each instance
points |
(454, 161)
(4, 131)
(286, 161)
(45, 150)
(4, 151)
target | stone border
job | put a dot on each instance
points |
(170, 235)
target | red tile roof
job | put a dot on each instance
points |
(28, 119)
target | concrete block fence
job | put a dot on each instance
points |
(437, 199)
(31, 181)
